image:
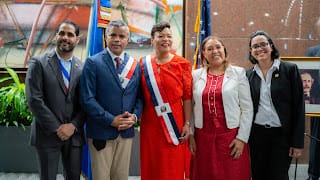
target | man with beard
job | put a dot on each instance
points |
(52, 93)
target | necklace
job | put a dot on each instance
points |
(163, 60)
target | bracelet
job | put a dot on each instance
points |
(187, 123)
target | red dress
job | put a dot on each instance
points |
(159, 159)
(212, 160)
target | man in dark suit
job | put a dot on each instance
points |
(110, 95)
(314, 51)
(314, 149)
(52, 88)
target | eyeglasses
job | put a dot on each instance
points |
(260, 45)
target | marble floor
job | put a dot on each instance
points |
(32, 176)
(301, 174)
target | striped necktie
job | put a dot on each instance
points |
(118, 62)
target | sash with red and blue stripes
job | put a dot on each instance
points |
(160, 101)
(126, 70)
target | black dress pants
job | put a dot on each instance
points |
(269, 151)
(49, 161)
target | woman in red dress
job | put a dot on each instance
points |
(223, 115)
(167, 89)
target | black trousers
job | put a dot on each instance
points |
(48, 159)
(269, 151)
(314, 150)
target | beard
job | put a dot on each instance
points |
(65, 48)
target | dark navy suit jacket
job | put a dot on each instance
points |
(313, 51)
(102, 97)
(287, 97)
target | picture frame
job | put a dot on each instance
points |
(309, 68)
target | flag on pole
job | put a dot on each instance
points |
(202, 27)
(100, 16)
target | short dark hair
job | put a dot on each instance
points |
(274, 54)
(116, 23)
(76, 27)
(159, 27)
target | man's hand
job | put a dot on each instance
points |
(124, 121)
(65, 131)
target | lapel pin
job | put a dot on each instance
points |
(276, 75)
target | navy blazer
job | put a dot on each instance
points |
(287, 98)
(102, 97)
(313, 51)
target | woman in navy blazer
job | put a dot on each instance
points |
(277, 132)
(222, 120)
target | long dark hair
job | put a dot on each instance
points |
(274, 54)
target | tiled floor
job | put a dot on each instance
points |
(29, 176)
(302, 172)
(300, 175)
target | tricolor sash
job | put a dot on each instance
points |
(66, 76)
(126, 70)
(160, 101)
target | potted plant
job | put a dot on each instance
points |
(13, 103)
(15, 119)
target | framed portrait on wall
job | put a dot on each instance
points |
(309, 69)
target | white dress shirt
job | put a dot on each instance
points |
(267, 114)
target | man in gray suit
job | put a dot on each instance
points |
(52, 93)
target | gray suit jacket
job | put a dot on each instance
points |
(49, 102)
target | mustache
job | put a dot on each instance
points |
(64, 41)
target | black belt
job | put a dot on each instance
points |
(266, 126)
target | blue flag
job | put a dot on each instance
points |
(202, 27)
(100, 16)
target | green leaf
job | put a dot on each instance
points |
(14, 75)
(5, 79)
(15, 123)
(14, 109)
